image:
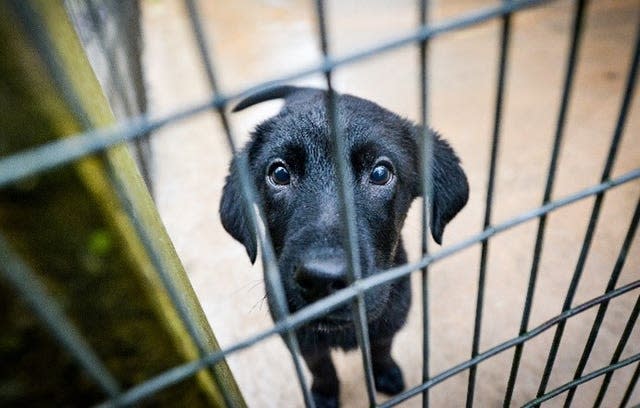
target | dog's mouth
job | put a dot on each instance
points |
(340, 319)
(343, 316)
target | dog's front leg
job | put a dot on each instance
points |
(325, 388)
(387, 374)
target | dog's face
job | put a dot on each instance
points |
(291, 163)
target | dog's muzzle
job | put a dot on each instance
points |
(320, 277)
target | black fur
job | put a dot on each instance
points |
(303, 217)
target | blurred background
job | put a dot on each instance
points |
(254, 41)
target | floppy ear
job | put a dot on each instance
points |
(233, 209)
(450, 189)
(234, 216)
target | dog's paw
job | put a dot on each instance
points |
(325, 401)
(389, 380)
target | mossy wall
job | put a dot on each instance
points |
(70, 226)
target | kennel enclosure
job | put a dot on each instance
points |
(32, 26)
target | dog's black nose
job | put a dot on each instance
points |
(321, 277)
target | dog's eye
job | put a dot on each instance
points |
(279, 174)
(380, 175)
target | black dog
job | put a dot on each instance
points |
(291, 164)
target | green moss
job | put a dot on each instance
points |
(100, 243)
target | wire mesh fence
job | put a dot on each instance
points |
(42, 158)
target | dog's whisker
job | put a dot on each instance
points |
(258, 304)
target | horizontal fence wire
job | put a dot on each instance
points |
(602, 308)
(573, 384)
(27, 284)
(53, 154)
(30, 162)
(588, 238)
(345, 295)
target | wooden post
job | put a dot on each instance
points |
(87, 230)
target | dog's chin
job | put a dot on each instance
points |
(342, 318)
(332, 323)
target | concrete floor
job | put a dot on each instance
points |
(259, 40)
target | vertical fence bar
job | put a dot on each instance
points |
(624, 109)
(345, 181)
(633, 317)
(18, 274)
(577, 273)
(199, 36)
(502, 69)
(568, 85)
(487, 354)
(632, 384)
(427, 153)
(576, 383)
(272, 272)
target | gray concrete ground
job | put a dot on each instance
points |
(258, 40)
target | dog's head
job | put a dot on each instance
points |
(291, 162)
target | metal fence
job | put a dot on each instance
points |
(42, 158)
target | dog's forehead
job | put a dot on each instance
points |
(353, 115)
(304, 122)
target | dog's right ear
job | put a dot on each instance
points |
(450, 188)
(234, 213)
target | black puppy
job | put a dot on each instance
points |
(291, 164)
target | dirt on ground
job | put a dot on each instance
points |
(253, 41)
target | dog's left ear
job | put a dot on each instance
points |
(233, 210)
(234, 216)
(450, 189)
